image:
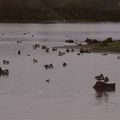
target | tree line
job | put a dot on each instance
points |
(59, 10)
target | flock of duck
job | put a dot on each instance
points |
(5, 72)
(101, 83)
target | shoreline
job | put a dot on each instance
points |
(93, 48)
(56, 21)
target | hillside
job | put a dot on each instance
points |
(44, 10)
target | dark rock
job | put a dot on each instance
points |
(69, 41)
(102, 86)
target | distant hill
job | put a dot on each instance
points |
(50, 10)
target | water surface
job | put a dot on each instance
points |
(59, 32)
(70, 95)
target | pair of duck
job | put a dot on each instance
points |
(101, 77)
(102, 84)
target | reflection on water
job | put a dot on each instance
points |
(102, 96)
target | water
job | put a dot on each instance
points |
(59, 32)
(69, 96)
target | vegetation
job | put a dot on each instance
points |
(110, 47)
(107, 45)
(59, 10)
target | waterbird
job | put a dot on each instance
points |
(64, 64)
(48, 80)
(19, 52)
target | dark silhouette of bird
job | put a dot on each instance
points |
(48, 80)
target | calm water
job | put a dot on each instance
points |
(59, 32)
(24, 94)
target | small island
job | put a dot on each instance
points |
(93, 45)
(108, 45)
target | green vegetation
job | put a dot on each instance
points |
(109, 47)
(59, 10)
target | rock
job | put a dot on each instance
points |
(102, 86)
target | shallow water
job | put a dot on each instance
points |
(25, 94)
